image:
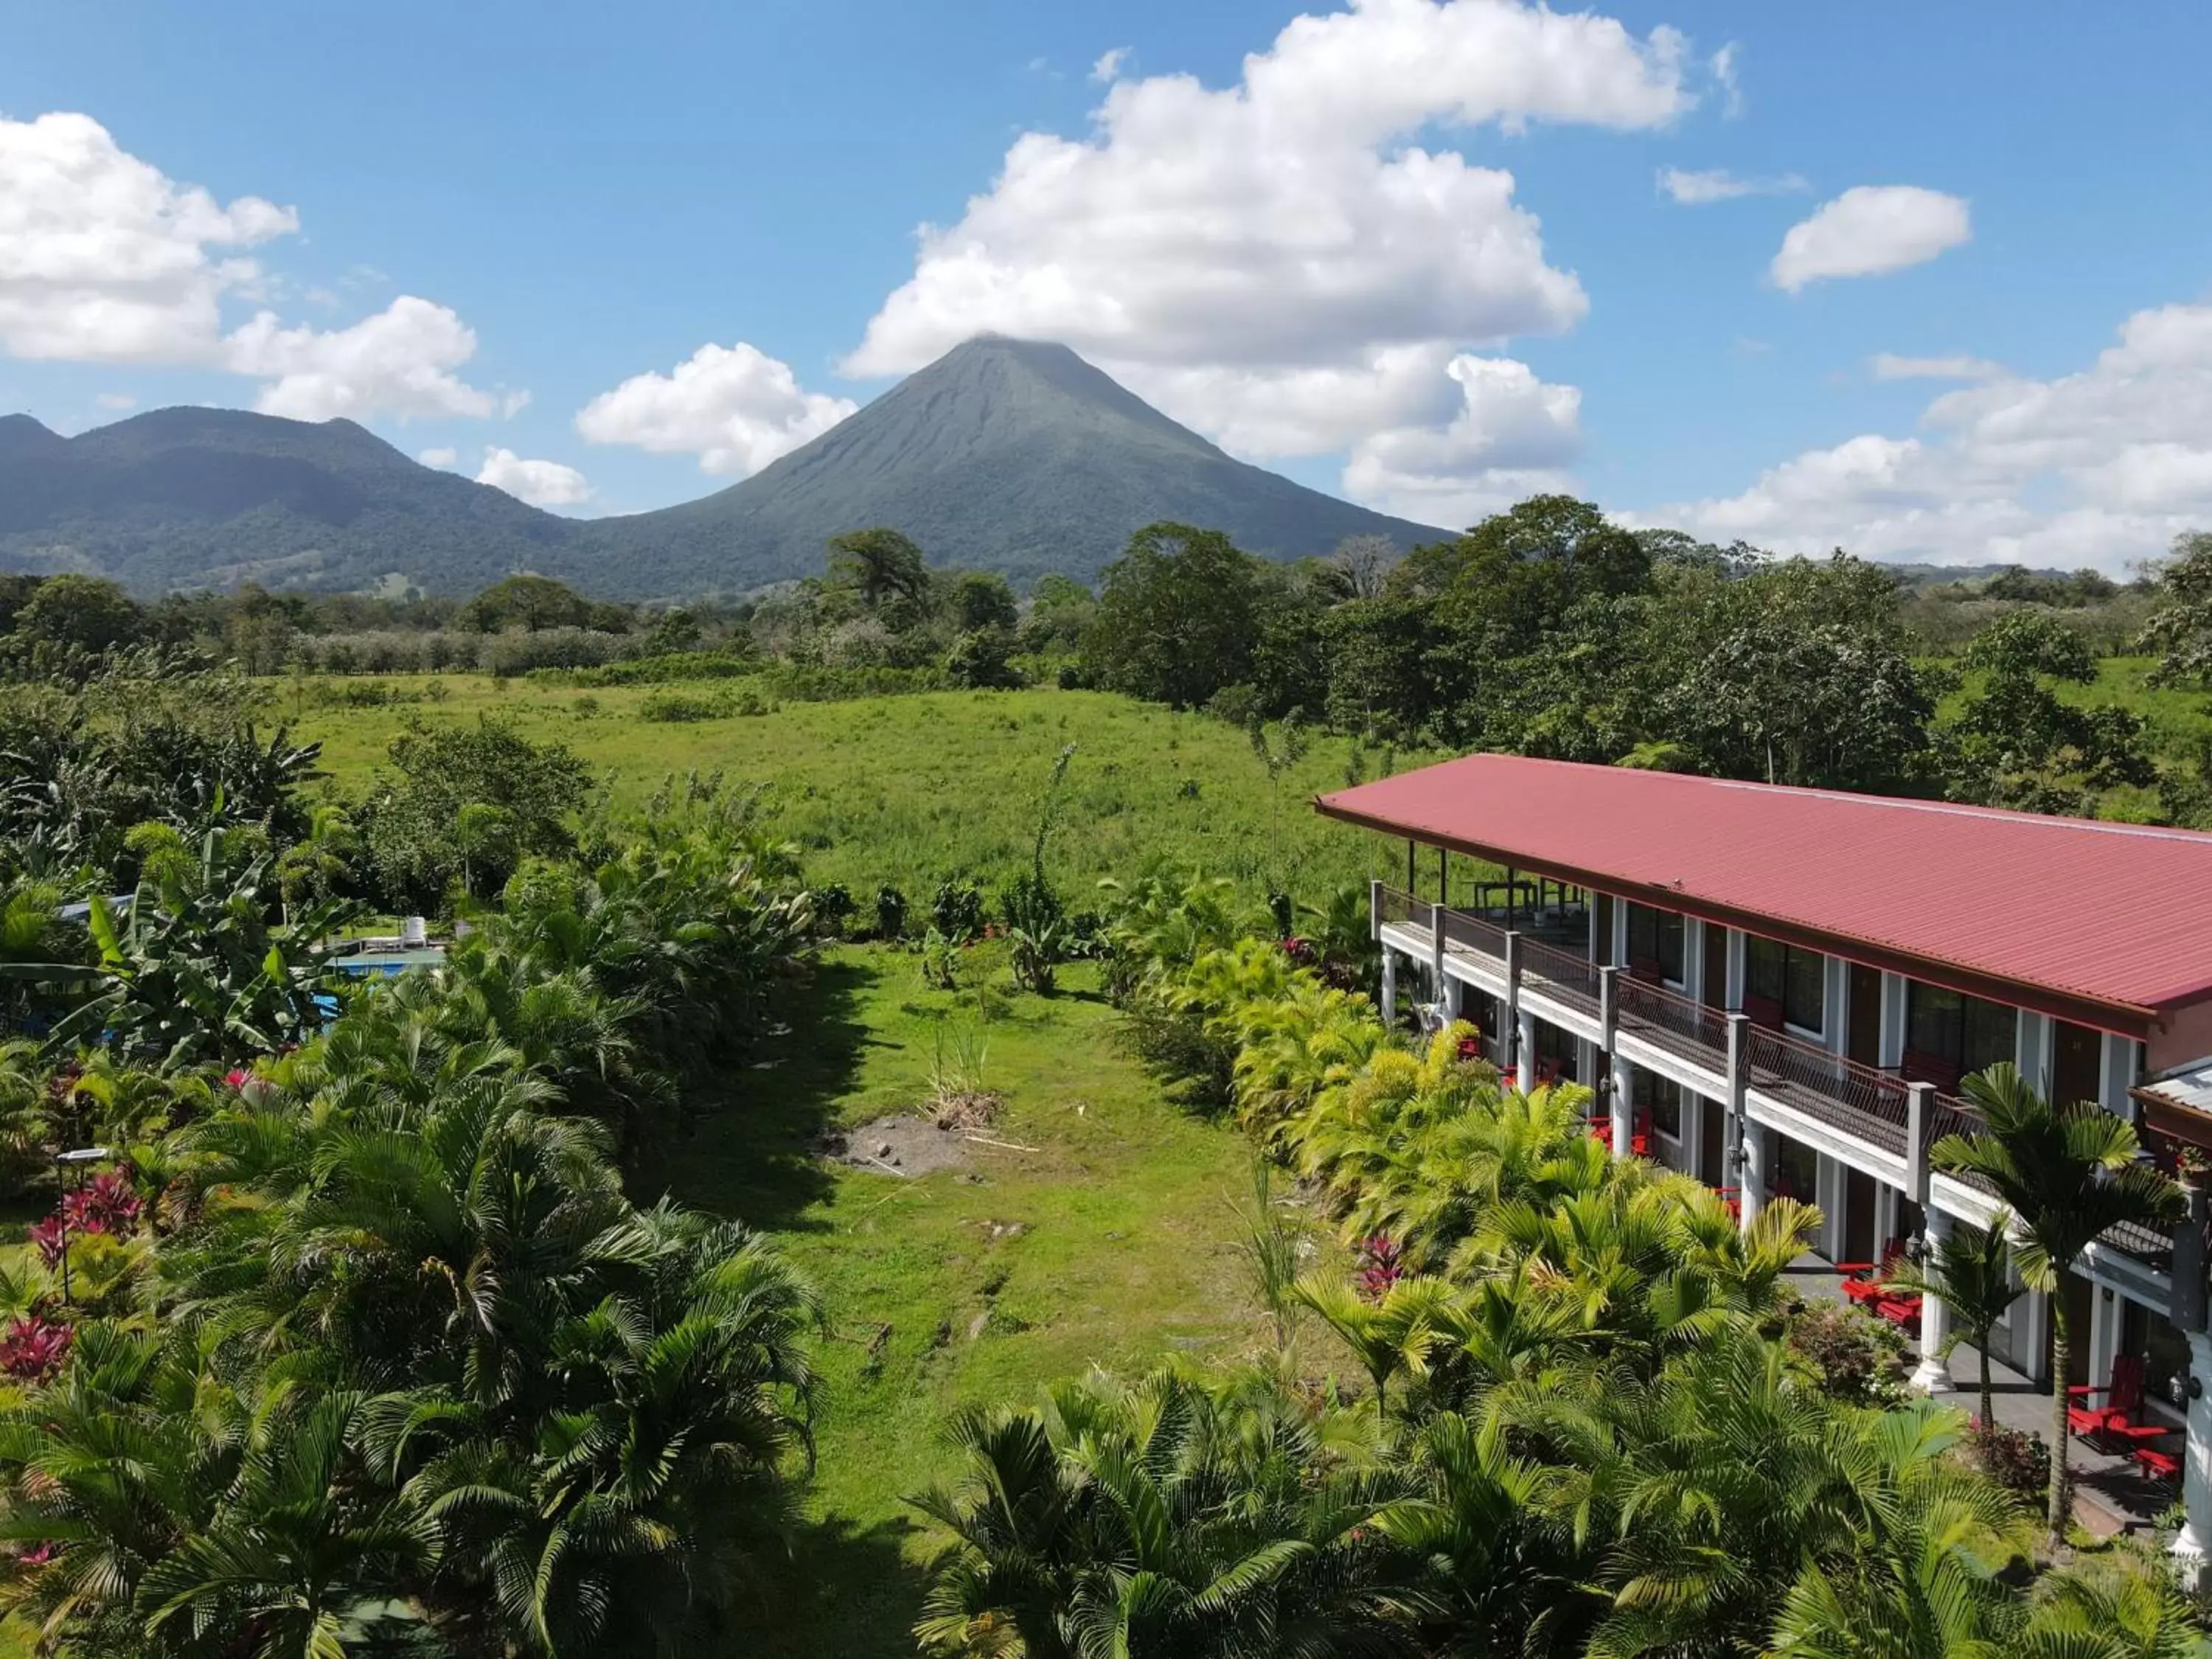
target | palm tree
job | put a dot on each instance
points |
(2069, 1174)
(1971, 1274)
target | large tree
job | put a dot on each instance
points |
(2017, 742)
(1179, 615)
(2180, 629)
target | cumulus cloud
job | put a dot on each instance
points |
(398, 361)
(1512, 437)
(734, 407)
(443, 456)
(1290, 263)
(1725, 72)
(1109, 66)
(1870, 230)
(1888, 365)
(2103, 467)
(541, 484)
(104, 258)
(1691, 189)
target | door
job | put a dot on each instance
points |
(1863, 1020)
(1859, 1242)
(2077, 1063)
(1712, 1164)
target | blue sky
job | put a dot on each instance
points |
(444, 209)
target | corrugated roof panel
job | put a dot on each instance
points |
(2117, 913)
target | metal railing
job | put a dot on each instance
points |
(1657, 1014)
(1572, 979)
(1820, 1083)
(1392, 906)
(1472, 935)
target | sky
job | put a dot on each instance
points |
(1925, 283)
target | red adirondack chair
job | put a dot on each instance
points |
(2123, 1396)
(1865, 1282)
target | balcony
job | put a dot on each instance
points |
(1795, 1080)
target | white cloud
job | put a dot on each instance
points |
(441, 456)
(1691, 189)
(734, 407)
(1512, 437)
(541, 484)
(116, 400)
(1888, 365)
(103, 259)
(1868, 230)
(398, 361)
(1279, 263)
(2104, 466)
(1109, 66)
(1724, 71)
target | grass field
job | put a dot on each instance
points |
(1113, 1242)
(911, 789)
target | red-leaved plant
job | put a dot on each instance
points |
(32, 1349)
(1381, 1264)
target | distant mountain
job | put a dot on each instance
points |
(1008, 455)
(1004, 455)
(215, 498)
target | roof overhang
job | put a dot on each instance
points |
(2126, 1019)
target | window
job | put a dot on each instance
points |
(1787, 977)
(1963, 1032)
(1655, 943)
(1662, 1098)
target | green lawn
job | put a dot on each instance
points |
(910, 789)
(1113, 1244)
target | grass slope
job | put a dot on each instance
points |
(911, 789)
(1112, 1244)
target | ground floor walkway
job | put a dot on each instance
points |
(2111, 1495)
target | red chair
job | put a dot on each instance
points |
(1733, 1197)
(1902, 1311)
(2156, 1465)
(1865, 1282)
(2123, 1398)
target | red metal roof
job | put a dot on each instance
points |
(2111, 914)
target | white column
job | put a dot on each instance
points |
(1893, 1019)
(1885, 1215)
(1619, 952)
(1389, 987)
(2122, 1058)
(1753, 1198)
(1828, 1190)
(1624, 1105)
(1933, 1374)
(1694, 1107)
(2032, 1327)
(2033, 1051)
(1524, 1072)
(2106, 1316)
(1734, 945)
(2194, 1540)
(1693, 959)
(1835, 1004)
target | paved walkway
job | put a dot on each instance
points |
(2111, 1494)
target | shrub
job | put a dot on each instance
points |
(678, 708)
(833, 906)
(2015, 1460)
(890, 912)
(957, 909)
(978, 660)
(1860, 1359)
(656, 670)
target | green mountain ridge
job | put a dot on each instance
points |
(1008, 455)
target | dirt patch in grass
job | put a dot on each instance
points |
(899, 1146)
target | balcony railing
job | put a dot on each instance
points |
(1472, 935)
(1572, 979)
(1393, 907)
(1691, 1029)
(1821, 1084)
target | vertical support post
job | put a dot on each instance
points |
(1919, 1113)
(1443, 876)
(1437, 989)
(1514, 1038)
(1620, 1085)
(1375, 909)
(2193, 1542)
(1412, 881)
(1933, 1374)
(1741, 1138)
(1390, 987)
